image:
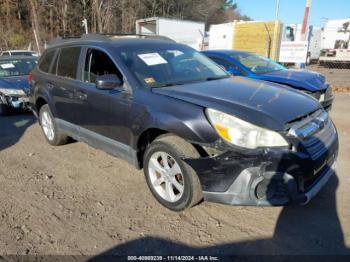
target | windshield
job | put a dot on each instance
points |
(159, 66)
(257, 64)
(16, 67)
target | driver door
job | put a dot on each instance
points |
(104, 112)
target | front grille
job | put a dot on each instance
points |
(316, 95)
(316, 137)
(318, 144)
(326, 92)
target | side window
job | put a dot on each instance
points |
(222, 62)
(68, 62)
(45, 61)
(5, 53)
(53, 69)
(98, 63)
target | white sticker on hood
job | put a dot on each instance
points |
(152, 59)
(7, 66)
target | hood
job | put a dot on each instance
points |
(262, 103)
(14, 82)
(300, 79)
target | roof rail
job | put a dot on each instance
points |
(105, 37)
(111, 36)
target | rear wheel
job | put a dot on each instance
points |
(308, 59)
(51, 132)
(172, 182)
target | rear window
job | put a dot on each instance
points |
(24, 53)
(46, 61)
(68, 62)
(16, 67)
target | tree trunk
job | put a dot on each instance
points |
(51, 22)
(35, 23)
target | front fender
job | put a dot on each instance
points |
(195, 129)
(185, 120)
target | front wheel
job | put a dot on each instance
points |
(172, 182)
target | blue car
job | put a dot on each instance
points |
(258, 67)
(14, 82)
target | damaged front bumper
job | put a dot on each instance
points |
(268, 177)
(327, 104)
(17, 100)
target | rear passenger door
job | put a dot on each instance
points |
(104, 112)
(64, 83)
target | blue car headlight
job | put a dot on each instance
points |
(10, 92)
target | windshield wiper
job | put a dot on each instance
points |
(267, 72)
(216, 77)
(169, 84)
(192, 81)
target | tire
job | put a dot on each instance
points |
(5, 110)
(173, 149)
(308, 60)
(54, 137)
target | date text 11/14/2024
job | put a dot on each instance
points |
(173, 258)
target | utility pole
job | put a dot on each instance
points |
(305, 20)
(277, 9)
(304, 26)
(275, 40)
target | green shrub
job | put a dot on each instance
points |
(17, 40)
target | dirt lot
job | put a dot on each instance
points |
(77, 200)
(338, 76)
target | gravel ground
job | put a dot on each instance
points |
(337, 77)
(73, 200)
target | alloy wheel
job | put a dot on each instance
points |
(47, 125)
(166, 176)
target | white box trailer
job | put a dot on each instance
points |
(336, 41)
(292, 32)
(221, 36)
(182, 31)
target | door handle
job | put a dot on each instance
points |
(80, 95)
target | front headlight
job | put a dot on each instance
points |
(9, 92)
(241, 133)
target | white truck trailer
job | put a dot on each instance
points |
(182, 31)
(336, 42)
(292, 32)
(221, 36)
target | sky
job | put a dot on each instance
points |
(292, 11)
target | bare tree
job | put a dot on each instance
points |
(35, 22)
(49, 18)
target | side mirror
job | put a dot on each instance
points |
(234, 71)
(105, 82)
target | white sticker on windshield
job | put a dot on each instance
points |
(7, 66)
(152, 59)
